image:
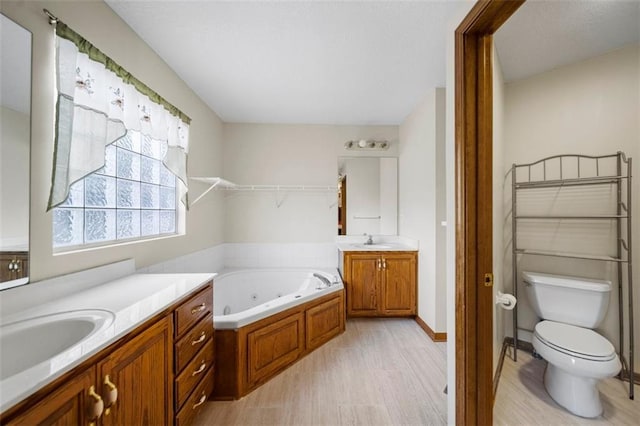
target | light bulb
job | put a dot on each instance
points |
(362, 143)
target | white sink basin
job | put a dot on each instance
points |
(374, 246)
(27, 343)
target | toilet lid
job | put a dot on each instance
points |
(576, 341)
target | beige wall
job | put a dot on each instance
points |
(501, 259)
(274, 154)
(421, 144)
(590, 108)
(97, 22)
(14, 193)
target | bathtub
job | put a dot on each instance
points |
(267, 319)
(249, 295)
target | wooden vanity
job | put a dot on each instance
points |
(380, 283)
(160, 373)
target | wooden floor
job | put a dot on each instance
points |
(522, 399)
(388, 372)
(379, 372)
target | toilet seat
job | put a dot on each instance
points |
(575, 341)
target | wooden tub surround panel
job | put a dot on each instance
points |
(250, 356)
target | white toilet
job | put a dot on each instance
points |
(577, 356)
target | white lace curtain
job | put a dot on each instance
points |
(98, 102)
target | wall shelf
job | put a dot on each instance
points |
(223, 184)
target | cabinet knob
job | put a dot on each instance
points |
(110, 394)
(384, 263)
(95, 406)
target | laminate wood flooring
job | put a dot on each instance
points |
(378, 372)
(522, 399)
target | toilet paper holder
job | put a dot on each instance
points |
(506, 301)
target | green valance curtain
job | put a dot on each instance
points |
(98, 102)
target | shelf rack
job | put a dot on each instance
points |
(558, 166)
(223, 184)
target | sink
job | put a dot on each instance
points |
(27, 343)
(373, 246)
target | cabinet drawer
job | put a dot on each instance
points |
(199, 306)
(195, 402)
(192, 342)
(194, 372)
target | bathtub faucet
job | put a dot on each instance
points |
(322, 278)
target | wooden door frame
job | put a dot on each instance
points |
(473, 188)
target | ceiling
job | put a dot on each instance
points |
(543, 35)
(352, 62)
(364, 62)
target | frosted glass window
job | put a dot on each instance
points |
(132, 197)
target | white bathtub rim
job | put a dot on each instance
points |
(256, 313)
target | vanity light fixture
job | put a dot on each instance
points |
(367, 144)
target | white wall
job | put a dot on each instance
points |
(274, 154)
(388, 196)
(501, 317)
(99, 24)
(419, 167)
(14, 192)
(590, 108)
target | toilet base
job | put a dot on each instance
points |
(577, 394)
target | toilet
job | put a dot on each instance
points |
(577, 356)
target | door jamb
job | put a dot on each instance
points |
(473, 189)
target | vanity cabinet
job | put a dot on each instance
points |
(125, 387)
(13, 265)
(161, 373)
(380, 284)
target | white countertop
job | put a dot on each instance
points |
(375, 247)
(380, 243)
(132, 299)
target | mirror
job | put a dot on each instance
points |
(368, 195)
(15, 137)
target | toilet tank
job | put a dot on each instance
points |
(570, 300)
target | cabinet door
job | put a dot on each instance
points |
(67, 405)
(363, 285)
(399, 284)
(141, 371)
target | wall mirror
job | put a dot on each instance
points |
(368, 195)
(15, 137)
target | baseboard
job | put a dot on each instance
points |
(503, 353)
(436, 337)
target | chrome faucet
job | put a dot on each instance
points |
(369, 240)
(322, 278)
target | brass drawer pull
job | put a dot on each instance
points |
(96, 408)
(200, 369)
(203, 398)
(110, 395)
(384, 263)
(200, 339)
(197, 309)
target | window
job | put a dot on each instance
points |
(120, 158)
(133, 196)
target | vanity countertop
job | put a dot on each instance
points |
(375, 247)
(131, 299)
